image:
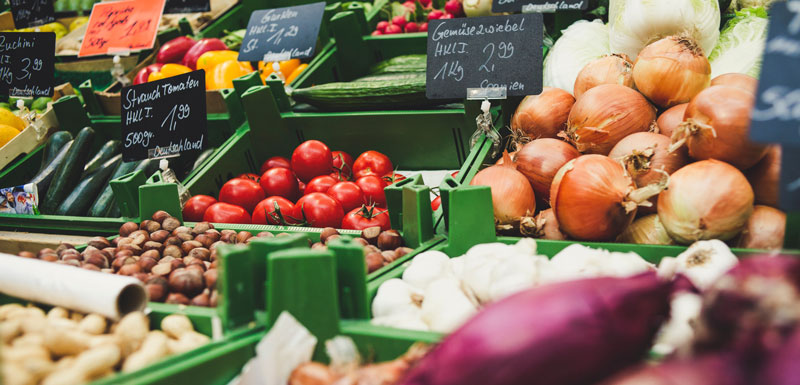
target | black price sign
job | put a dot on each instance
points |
(494, 52)
(187, 6)
(30, 13)
(282, 33)
(165, 117)
(790, 179)
(27, 62)
(539, 5)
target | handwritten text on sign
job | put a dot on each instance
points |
(282, 33)
(122, 26)
(484, 52)
(538, 5)
(164, 117)
(30, 13)
(27, 61)
(187, 6)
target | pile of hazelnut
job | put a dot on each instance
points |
(380, 247)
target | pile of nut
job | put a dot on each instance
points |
(380, 247)
(62, 347)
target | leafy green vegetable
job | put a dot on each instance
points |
(741, 44)
(234, 39)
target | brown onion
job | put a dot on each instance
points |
(671, 71)
(716, 125)
(604, 115)
(540, 160)
(671, 119)
(764, 230)
(764, 177)
(512, 155)
(594, 199)
(708, 199)
(544, 226)
(646, 157)
(543, 115)
(646, 230)
(611, 69)
(512, 194)
(743, 81)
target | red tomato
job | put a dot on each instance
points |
(436, 203)
(244, 193)
(281, 182)
(249, 175)
(311, 158)
(366, 216)
(196, 206)
(222, 212)
(343, 162)
(393, 177)
(320, 210)
(372, 163)
(372, 187)
(266, 212)
(300, 185)
(320, 184)
(275, 161)
(348, 194)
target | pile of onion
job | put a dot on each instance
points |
(646, 230)
(544, 226)
(604, 115)
(671, 71)
(611, 69)
(743, 81)
(764, 230)
(670, 119)
(708, 199)
(512, 194)
(646, 157)
(543, 115)
(594, 199)
(540, 160)
(764, 177)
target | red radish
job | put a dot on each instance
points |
(446, 16)
(399, 21)
(454, 8)
(410, 5)
(376, 33)
(423, 27)
(382, 26)
(393, 29)
(435, 15)
(411, 27)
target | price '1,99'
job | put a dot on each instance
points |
(177, 113)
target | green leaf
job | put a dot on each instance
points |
(398, 10)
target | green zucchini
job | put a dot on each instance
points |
(109, 149)
(79, 200)
(43, 179)
(382, 94)
(54, 146)
(413, 62)
(69, 171)
(148, 166)
(399, 68)
(102, 205)
(391, 76)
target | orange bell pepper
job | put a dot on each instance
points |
(297, 71)
(222, 75)
(167, 71)
(287, 67)
(210, 59)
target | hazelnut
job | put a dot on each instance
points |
(160, 215)
(389, 256)
(154, 254)
(177, 299)
(265, 234)
(201, 227)
(214, 299)
(210, 276)
(161, 269)
(171, 223)
(374, 262)
(129, 269)
(187, 246)
(127, 228)
(214, 234)
(205, 240)
(52, 257)
(202, 299)
(146, 264)
(177, 264)
(370, 234)
(173, 251)
(157, 289)
(141, 276)
(188, 282)
(97, 258)
(319, 246)
(159, 236)
(123, 253)
(173, 240)
(185, 237)
(200, 253)
(44, 251)
(327, 232)
(89, 266)
(27, 254)
(150, 226)
(243, 236)
(361, 241)
(227, 236)
(99, 242)
(389, 240)
(403, 251)
(181, 229)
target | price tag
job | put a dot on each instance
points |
(484, 52)
(289, 33)
(538, 5)
(165, 117)
(30, 13)
(27, 62)
(187, 6)
(122, 27)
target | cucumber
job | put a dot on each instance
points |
(102, 205)
(43, 179)
(398, 68)
(414, 63)
(54, 146)
(68, 172)
(392, 76)
(361, 95)
(111, 148)
(79, 200)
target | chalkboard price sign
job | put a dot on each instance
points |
(484, 52)
(790, 179)
(187, 6)
(165, 117)
(282, 33)
(30, 13)
(27, 62)
(539, 5)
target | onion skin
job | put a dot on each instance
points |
(540, 160)
(512, 194)
(611, 69)
(764, 230)
(716, 125)
(705, 200)
(765, 176)
(543, 115)
(710, 369)
(604, 115)
(646, 230)
(671, 119)
(544, 226)
(781, 367)
(743, 81)
(540, 334)
(671, 71)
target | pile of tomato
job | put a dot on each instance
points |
(317, 187)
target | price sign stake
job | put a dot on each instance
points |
(27, 61)
(282, 33)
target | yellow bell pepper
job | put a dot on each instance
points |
(167, 71)
(210, 59)
(297, 71)
(287, 67)
(222, 75)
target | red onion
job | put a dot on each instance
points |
(764, 230)
(671, 71)
(570, 333)
(765, 176)
(543, 115)
(604, 115)
(611, 69)
(710, 369)
(671, 119)
(743, 81)
(781, 367)
(540, 160)
(512, 195)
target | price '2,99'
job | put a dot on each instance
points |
(178, 112)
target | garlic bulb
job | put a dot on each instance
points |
(425, 268)
(705, 261)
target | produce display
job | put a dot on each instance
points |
(413, 16)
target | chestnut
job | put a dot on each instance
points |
(64, 247)
(123, 253)
(122, 261)
(52, 257)
(150, 226)
(89, 266)
(72, 257)
(139, 237)
(205, 240)
(374, 262)
(282, 235)
(160, 215)
(44, 251)
(214, 298)
(135, 250)
(389, 256)
(127, 228)
(214, 234)
(150, 245)
(202, 299)
(71, 262)
(213, 264)
(153, 254)
(186, 281)
(27, 254)
(332, 238)
(173, 240)
(109, 251)
(390, 240)
(210, 276)
(361, 241)
(370, 234)
(215, 244)
(177, 299)
(188, 246)
(141, 276)
(319, 246)
(177, 264)
(371, 249)
(129, 269)
(200, 253)
(181, 229)
(97, 258)
(265, 234)
(173, 251)
(403, 251)
(227, 236)
(171, 223)
(185, 237)
(327, 232)
(159, 236)
(146, 264)
(161, 269)
(157, 289)
(201, 227)
(197, 266)
(99, 242)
